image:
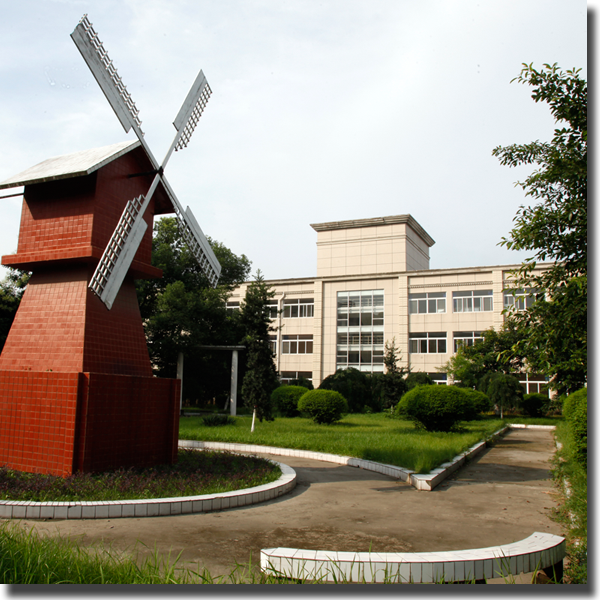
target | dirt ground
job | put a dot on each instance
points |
(503, 495)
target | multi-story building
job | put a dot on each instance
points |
(374, 284)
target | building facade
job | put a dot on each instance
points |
(374, 285)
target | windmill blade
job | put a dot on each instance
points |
(191, 110)
(198, 244)
(105, 73)
(119, 253)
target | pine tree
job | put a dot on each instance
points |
(261, 377)
(394, 384)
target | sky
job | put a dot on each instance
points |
(321, 111)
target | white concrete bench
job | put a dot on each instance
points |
(540, 551)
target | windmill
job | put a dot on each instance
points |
(126, 238)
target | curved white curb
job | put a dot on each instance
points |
(538, 551)
(155, 507)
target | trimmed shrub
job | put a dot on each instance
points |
(575, 412)
(353, 385)
(481, 402)
(216, 420)
(417, 378)
(306, 383)
(437, 407)
(534, 405)
(285, 399)
(323, 406)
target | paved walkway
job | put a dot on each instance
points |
(504, 495)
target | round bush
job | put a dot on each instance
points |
(353, 385)
(323, 406)
(285, 399)
(481, 402)
(417, 378)
(437, 407)
(534, 405)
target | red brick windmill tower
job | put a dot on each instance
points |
(76, 385)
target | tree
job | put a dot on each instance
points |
(502, 389)
(394, 384)
(556, 230)
(261, 376)
(182, 311)
(12, 288)
(495, 353)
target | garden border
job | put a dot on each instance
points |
(423, 482)
(151, 507)
(12, 509)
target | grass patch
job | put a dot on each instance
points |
(572, 512)
(369, 436)
(195, 473)
(523, 420)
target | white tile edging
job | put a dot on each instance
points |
(538, 551)
(11, 509)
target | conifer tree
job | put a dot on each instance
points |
(261, 377)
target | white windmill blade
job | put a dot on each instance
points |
(119, 253)
(125, 240)
(105, 73)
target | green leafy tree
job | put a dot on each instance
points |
(495, 353)
(555, 228)
(260, 378)
(502, 389)
(182, 311)
(12, 288)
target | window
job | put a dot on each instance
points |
(520, 299)
(273, 343)
(271, 309)
(360, 330)
(297, 344)
(474, 301)
(286, 377)
(439, 378)
(430, 302)
(427, 343)
(298, 308)
(232, 306)
(466, 338)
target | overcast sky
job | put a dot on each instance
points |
(321, 111)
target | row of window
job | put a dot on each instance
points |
(292, 309)
(292, 344)
(357, 309)
(471, 301)
(436, 342)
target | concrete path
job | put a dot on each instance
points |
(504, 495)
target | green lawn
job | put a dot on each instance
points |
(370, 436)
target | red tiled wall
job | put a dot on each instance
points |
(129, 421)
(75, 218)
(59, 423)
(37, 421)
(62, 327)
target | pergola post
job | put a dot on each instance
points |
(234, 376)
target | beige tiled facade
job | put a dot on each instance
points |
(370, 273)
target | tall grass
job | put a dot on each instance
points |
(573, 510)
(369, 436)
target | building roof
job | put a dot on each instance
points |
(406, 219)
(69, 165)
